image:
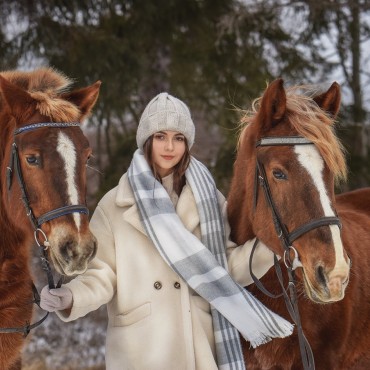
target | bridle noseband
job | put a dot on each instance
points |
(287, 238)
(39, 235)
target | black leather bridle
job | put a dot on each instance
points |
(286, 238)
(14, 168)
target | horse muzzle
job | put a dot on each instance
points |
(327, 287)
(70, 255)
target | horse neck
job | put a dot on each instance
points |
(240, 199)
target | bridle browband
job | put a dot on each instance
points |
(286, 238)
(15, 167)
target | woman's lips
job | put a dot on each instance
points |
(167, 157)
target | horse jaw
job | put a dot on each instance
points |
(71, 252)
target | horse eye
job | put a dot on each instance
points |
(32, 160)
(280, 175)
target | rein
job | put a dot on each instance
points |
(39, 235)
(286, 238)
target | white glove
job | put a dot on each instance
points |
(57, 299)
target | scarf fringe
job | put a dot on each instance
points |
(257, 338)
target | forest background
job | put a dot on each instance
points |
(215, 55)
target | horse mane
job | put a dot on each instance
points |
(45, 85)
(311, 122)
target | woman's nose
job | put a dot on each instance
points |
(169, 145)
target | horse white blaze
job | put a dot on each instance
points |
(310, 158)
(67, 151)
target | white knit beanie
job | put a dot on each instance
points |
(165, 113)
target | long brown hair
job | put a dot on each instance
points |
(178, 171)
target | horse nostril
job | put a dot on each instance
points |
(68, 251)
(320, 275)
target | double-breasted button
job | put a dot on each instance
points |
(177, 285)
(157, 285)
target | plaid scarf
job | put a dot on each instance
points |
(203, 264)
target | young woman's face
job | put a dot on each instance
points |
(168, 149)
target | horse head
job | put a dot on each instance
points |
(43, 157)
(288, 153)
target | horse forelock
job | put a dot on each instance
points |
(311, 122)
(45, 85)
(54, 107)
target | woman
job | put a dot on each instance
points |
(161, 261)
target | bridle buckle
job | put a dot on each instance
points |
(45, 245)
(288, 261)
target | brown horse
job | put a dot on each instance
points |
(43, 154)
(282, 192)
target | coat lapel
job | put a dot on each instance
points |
(125, 199)
(186, 207)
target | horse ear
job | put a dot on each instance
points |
(15, 98)
(330, 100)
(273, 104)
(84, 98)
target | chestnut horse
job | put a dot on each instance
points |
(43, 155)
(282, 192)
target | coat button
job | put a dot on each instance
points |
(177, 285)
(157, 285)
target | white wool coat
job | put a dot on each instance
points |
(155, 321)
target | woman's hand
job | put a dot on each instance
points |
(58, 299)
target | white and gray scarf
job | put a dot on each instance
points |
(203, 264)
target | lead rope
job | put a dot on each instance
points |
(43, 247)
(291, 303)
(45, 264)
(304, 346)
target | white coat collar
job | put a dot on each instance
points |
(186, 207)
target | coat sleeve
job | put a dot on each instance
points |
(98, 284)
(238, 256)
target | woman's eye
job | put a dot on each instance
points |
(159, 137)
(180, 138)
(32, 160)
(280, 175)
